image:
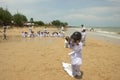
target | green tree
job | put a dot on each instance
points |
(5, 17)
(1, 16)
(24, 18)
(56, 23)
(40, 23)
(59, 23)
(19, 19)
(64, 24)
(31, 20)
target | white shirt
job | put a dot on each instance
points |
(83, 35)
(62, 28)
(76, 54)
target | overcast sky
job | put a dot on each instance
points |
(75, 12)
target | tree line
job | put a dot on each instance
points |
(18, 19)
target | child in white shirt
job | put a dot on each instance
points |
(76, 54)
(83, 36)
(67, 40)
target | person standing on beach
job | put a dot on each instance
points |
(30, 29)
(82, 27)
(62, 28)
(76, 54)
(83, 36)
(4, 33)
(62, 32)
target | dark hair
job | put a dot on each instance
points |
(76, 36)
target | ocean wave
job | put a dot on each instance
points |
(109, 34)
(106, 32)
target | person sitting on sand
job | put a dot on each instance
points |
(32, 34)
(62, 34)
(76, 54)
(38, 34)
(44, 34)
(55, 34)
(24, 34)
(59, 34)
(48, 34)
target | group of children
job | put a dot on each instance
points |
(44, 33)
(75, 43)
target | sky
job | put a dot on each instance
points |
(75, 12)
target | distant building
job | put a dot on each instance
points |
(29, 24)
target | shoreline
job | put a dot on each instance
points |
(114, 39)
(111, 38)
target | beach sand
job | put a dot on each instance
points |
(41, 58)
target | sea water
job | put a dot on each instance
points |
(108, 32)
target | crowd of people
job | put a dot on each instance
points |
(44, 33)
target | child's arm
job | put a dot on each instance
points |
(71, 53)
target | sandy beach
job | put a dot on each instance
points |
(41, 58)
